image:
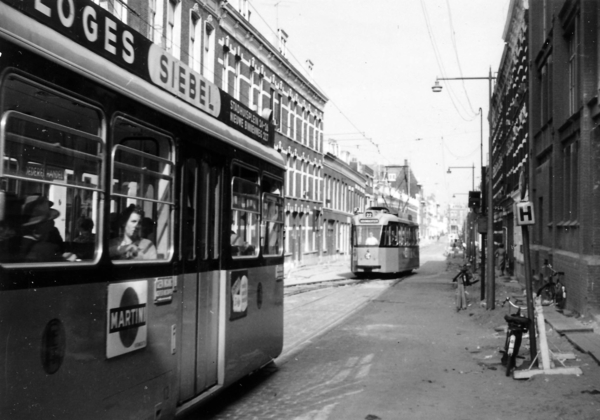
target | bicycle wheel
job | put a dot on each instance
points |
(547, 292)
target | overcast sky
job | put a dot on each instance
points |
(377, 60)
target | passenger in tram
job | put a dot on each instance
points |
(37, 228)
(371, 240)
(238, 245)
(86, 226)
(131, 245)
(84, 244)
(9, 229)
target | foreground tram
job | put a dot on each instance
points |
(141, 259)
(382, 242)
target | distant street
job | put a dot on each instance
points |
(405, 353)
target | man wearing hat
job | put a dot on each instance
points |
(37, 224)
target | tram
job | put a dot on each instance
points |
(382, 242)
(141, 257)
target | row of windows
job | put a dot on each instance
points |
(340, 196)
(53, 169)
(254, 91)
(391, 235)
(303, 180)
(249, 87)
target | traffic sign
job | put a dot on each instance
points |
(524, 213)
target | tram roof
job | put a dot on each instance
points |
(37, 37)
(383, 215)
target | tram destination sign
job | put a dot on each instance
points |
(97, 30)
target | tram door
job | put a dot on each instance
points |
(200, 213)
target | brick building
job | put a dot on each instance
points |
(564, 133)
(510, 122)
(344, 193)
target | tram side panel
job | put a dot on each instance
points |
(253, 317)
(57, 351)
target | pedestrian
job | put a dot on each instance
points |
(501, 259)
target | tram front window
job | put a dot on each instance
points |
(50, 174)
(367, 235)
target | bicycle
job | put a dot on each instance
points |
(463, 278)
(517, 326)
(553, 292)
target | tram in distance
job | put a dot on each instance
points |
(382, 242)
(141, 239)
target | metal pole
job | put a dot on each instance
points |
(490, 301)
(482, 236)
(529, 291)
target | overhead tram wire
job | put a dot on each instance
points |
(317, 85)
(453, 96)
(453, 37)
(439, 61)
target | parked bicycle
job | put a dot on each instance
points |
(463, 278)
(554, 291)
(517, 326)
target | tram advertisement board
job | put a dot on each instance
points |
(92, 27)
(239, 294)
(127, 317)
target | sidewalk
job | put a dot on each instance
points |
(583, 335)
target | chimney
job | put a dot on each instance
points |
(309, 67)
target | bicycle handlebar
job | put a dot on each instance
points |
(512, 304)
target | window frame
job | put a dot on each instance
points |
(112, 194)
(99, 138)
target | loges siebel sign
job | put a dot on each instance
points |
(127, 317)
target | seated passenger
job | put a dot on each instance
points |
(37, 228)
(86, 226)
(131, 245)
(239, 246)
(371, 240)
(84, 245)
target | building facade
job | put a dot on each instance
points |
(564, 133)
(344, 195)
(324, 187)
(510, 122)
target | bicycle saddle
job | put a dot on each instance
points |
(519, 320)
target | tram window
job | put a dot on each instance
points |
(245, 212)
(141, 193)
(210, 211)
(189, 201)
(367, 235)
(391, 234)
(50, 172)
(272, 216)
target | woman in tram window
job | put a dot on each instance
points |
(131, 245)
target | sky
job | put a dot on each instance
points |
(376, 61)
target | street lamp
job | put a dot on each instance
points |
(437, 88)
(465, 167)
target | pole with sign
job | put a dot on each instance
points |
(526, 217)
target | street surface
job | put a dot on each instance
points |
(398, 349)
